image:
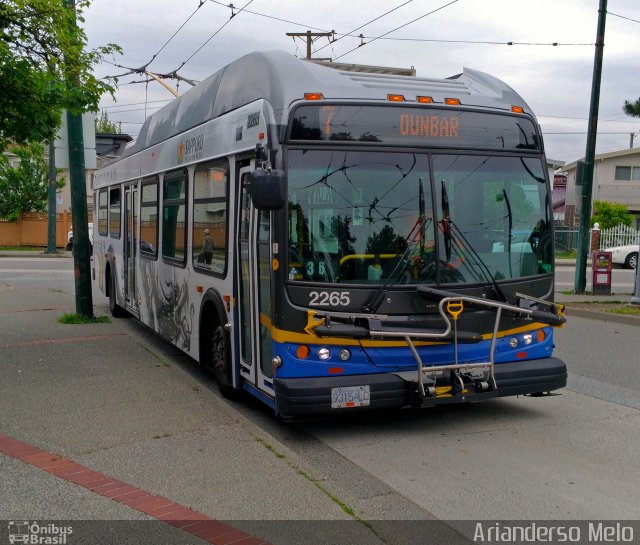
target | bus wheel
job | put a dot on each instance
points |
(116, 310)
(219, 361)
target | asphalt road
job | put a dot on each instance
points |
(51, 272)
(565, 456)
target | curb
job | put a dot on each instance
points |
(29, 255)
(602, 316)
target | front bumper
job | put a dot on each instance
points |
(312, 396)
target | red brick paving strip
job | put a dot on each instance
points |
(158, 507)
(63, 340)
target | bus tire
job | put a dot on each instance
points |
(220, 364)
(116, 310)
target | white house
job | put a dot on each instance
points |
(616, 179)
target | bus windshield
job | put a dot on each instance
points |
(373, 217)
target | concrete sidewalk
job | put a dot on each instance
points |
(114, 402)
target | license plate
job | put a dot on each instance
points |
(350, 396)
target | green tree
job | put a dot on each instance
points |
(24, 188)
(382, 242)
(105, 125)
(608, 215)
(40, 49)
(632, 108)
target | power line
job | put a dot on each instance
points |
(583, 132)
(142, 69)
(132, 104)
(214, 34)
(200, 4)
(586, 119)
(127, 122)
(398, 28)
(135, 110)
(623, 17)
(174, 73)
(364, 25)
(272, 17)
(487, 42)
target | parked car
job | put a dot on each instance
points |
(627, 256)
(70, 238)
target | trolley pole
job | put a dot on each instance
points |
(78, 184)
(589, 159)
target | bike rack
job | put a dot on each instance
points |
(449, 308)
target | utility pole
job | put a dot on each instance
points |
(51, 215)
(589, 159)
(309, 36)
(78, 184)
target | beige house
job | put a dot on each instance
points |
(108, 147)
(616, 179)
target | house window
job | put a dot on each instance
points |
(627, 174)
(623, 173)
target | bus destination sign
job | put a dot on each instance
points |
(435, 125)
(413, 126)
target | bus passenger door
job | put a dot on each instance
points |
(131, 247)
(254, 290)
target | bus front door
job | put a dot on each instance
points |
(254, 293)
(131, 248)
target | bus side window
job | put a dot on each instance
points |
(114, 212)
(174, 215)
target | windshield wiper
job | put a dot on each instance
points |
(447, 226)
(417, 230)
(376, 299)
(510, 218)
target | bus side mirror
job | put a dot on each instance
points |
(268, 188)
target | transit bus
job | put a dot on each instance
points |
(330, 240)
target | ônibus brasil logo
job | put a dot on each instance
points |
(34, 533)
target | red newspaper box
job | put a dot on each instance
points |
(601, 266)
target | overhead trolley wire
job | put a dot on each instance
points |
(310, 27)
(487, 42)
(623, 17)
(364, 25)
(200, 4)
(398, 28)
(143, 68)
(132, 104)
(213, 35)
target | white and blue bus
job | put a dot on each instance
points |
(330, 240)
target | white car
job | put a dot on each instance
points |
(70, 238)
(627, 256)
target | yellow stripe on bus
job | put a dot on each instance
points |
(286, 336)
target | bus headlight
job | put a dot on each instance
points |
(324, 354)
(528, 339)
(344, 354)
(513, 342)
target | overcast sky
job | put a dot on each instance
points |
(554, 80)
